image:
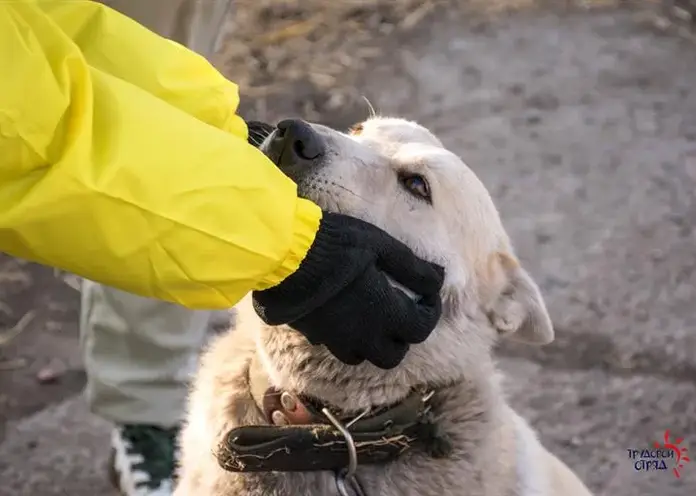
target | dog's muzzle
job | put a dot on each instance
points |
(295, 147)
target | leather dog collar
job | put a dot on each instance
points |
(318, 445)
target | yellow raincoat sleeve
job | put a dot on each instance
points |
(115, 44)
(103, 179)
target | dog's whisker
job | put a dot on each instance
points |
(256, 138)
(373, 113)
(339, 186)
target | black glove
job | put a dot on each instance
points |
(341, 298)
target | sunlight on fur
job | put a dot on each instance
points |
(399, 176)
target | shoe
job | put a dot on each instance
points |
(143, 459)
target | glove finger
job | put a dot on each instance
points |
(393, 256)
(409, 270)
(386, 352)
(343, 354)
(314, 329)
(412, 321)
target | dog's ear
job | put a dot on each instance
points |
(515, 306)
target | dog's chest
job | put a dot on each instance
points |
(414, 476)
(284, 484)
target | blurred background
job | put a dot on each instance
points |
(580, 118)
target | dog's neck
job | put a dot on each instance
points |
(292, 364)
(466, 412)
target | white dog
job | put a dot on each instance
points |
(438, 424)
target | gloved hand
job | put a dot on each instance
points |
(340, 296)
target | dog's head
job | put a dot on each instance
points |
(399, 176)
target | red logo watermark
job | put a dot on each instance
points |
(664, 455)
(680, 452)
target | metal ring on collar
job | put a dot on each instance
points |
(349, 472)
(352, 451)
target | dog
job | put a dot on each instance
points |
(438, 423)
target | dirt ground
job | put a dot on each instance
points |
(582, 124)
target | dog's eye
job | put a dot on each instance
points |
(356, 129)
(416, 185)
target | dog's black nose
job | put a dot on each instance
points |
(298, 144)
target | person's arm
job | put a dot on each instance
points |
(119, 46)
(101, 179)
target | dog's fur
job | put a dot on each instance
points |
(486, 295)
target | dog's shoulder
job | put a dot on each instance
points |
(562, 480)
(220, 399)
(540, 472)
